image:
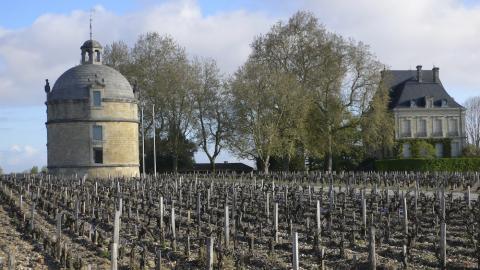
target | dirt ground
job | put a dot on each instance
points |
(26, 255)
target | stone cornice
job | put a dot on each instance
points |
(421, 109)
(86, 100)
(61, 121)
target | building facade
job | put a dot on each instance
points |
(423, 110)
(92, 120)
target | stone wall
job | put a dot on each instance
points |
(70, 138)
(415, 115)
(98, 172)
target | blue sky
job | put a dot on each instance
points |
(40, 39)
(14, 15)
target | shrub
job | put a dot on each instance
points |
(427, 164)
(422, 149)
(34, 170)
(423, 146)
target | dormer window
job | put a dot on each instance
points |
(413, 103)
(428, 102)
(444, 103)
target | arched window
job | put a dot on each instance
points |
(97, 52)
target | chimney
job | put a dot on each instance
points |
(436, 79)
(419, 73)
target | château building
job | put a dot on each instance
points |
(92, 122)
(423, 110)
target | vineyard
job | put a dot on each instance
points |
(278, 221)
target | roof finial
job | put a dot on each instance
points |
(91, 13)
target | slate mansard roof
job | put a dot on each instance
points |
(405, 87)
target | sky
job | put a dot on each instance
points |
(40, 39)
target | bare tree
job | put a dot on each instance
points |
(117, 55)
(161, 69)
(472, 121)
(211, 110)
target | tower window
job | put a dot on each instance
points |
(98, 55)
(97, 98)
(98, 155)
(97, 133)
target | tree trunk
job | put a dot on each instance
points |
(266, 165)
(286, 163)
(329, 154)
(212, 165)
(175, 161)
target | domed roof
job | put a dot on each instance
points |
(91, 44)
(76, 82)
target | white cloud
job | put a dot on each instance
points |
(403, 34)
(444, 33)
(51, 44)
(30, 151)
(21, 151)
(19, 157)
(16, 148)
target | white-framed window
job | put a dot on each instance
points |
(406, 129)
(437, 127)
(406, 150)
(452, 127)
(422, 128)
(97, 133)
(96, 98)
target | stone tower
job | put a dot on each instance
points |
(92, 121)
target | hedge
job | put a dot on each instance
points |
(433, 164)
